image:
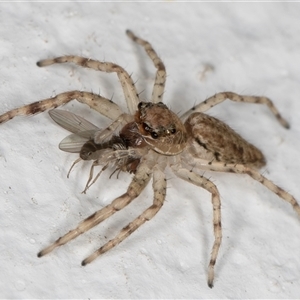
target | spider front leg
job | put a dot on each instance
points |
(160, 78)
(220, 97)
(104, 106)
(159, 187)
(203, 182)
(129, 90)
(138, 183)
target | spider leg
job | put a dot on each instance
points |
(104, 134)
(160, 78)
(242, 169)
(129, 90)
(159, 187)
(136, 186)
(104, 106)
(203, 182)
(220, 97)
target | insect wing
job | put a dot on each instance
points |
(70, 121)
(82, 130)
(74, 142)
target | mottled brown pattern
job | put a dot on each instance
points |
(218, 138)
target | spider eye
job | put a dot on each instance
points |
(173, 130)
(143, 105)
(154, 134)
(146, 127)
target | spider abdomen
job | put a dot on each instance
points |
(223, 142)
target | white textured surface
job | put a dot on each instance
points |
(254, 49)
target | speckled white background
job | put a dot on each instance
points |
(254, 49)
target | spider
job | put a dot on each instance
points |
(147, 140)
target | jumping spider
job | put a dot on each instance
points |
(149, 139)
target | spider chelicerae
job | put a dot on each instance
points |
(147, 140)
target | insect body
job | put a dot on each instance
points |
(148, 139)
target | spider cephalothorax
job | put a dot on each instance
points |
(161, 128)
(147, 140)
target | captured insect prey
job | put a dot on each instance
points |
(146, 140)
